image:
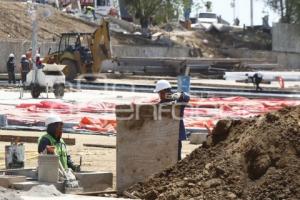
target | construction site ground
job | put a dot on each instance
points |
(93, 158)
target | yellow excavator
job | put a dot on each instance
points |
(82, 53)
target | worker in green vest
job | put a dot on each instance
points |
(52, 142)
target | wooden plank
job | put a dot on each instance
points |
(97, 193)
(101, 146)
(30, 139)
(146, 144)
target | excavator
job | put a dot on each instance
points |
(82, 53)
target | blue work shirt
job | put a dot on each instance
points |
(185, 98)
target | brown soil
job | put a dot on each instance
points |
(257, 158)
(16, 23)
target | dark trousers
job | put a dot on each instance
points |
(179, 149)
(11, 77)
(24, 77)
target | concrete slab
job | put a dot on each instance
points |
(95, 181)
(28, 172)
(27, 185)
(7, 180)
(71, 197)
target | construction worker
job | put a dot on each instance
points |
(52, 142)
(38, 61)
(25, 67)
(90, 10)
(163, 88)
(256, 79)
(11, 66)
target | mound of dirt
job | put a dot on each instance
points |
(7, 194)
(16, 22)
(257, 158)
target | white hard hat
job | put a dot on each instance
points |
(23, 56)
(11, 55)
(37, 55)
(162, 85)
(52, 119)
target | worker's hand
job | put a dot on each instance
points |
(77, 168)
(176, 96)
(50, 149)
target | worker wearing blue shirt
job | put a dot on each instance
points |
(163, 88)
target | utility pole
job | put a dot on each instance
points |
(251, 12)
(233, 5)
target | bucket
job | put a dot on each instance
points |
(3, 121)
(14, 156)
(183, 83)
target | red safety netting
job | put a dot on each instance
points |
(100, 117)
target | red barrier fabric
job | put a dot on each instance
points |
(99, 117)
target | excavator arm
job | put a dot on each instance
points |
(100, 46)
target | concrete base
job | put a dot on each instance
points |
(7, 180)
(29, 172)
(198, 138)
(95, 181)
(27, 185)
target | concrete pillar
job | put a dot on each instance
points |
(147, 141)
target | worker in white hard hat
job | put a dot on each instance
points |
(164, 89)
(11, 67)
(52, 142)
(38, 61)
(25, 67)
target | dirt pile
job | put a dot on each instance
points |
(43, 191)
(257, 158)
(7, 194)
(16, 22)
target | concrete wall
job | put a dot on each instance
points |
(19, 47)
(148, 51)
(286, 38)
(289, 60)
(248, 53)
(286, 44)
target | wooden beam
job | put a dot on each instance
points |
(30, 139)
(100, 145)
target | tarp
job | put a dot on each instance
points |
(99, 117)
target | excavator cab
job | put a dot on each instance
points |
(82, 53)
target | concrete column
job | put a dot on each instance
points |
(147, 141)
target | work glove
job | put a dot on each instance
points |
(176, 96)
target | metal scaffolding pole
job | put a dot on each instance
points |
(251, 12)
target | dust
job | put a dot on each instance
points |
(256, 158)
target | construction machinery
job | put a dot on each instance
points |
(82, 53)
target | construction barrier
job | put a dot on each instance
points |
(99, 117)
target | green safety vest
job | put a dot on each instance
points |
(60, 149)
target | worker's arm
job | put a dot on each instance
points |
(43, 144)
(71, 165)
(184, 98)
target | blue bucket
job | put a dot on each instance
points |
(183, 83)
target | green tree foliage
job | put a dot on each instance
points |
(159, 10)
(289, 10)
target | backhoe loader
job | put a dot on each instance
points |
(82, 53)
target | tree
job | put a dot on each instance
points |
(143, 9)
(289, 10)
(161, 10)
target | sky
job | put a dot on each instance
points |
(223, 8)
